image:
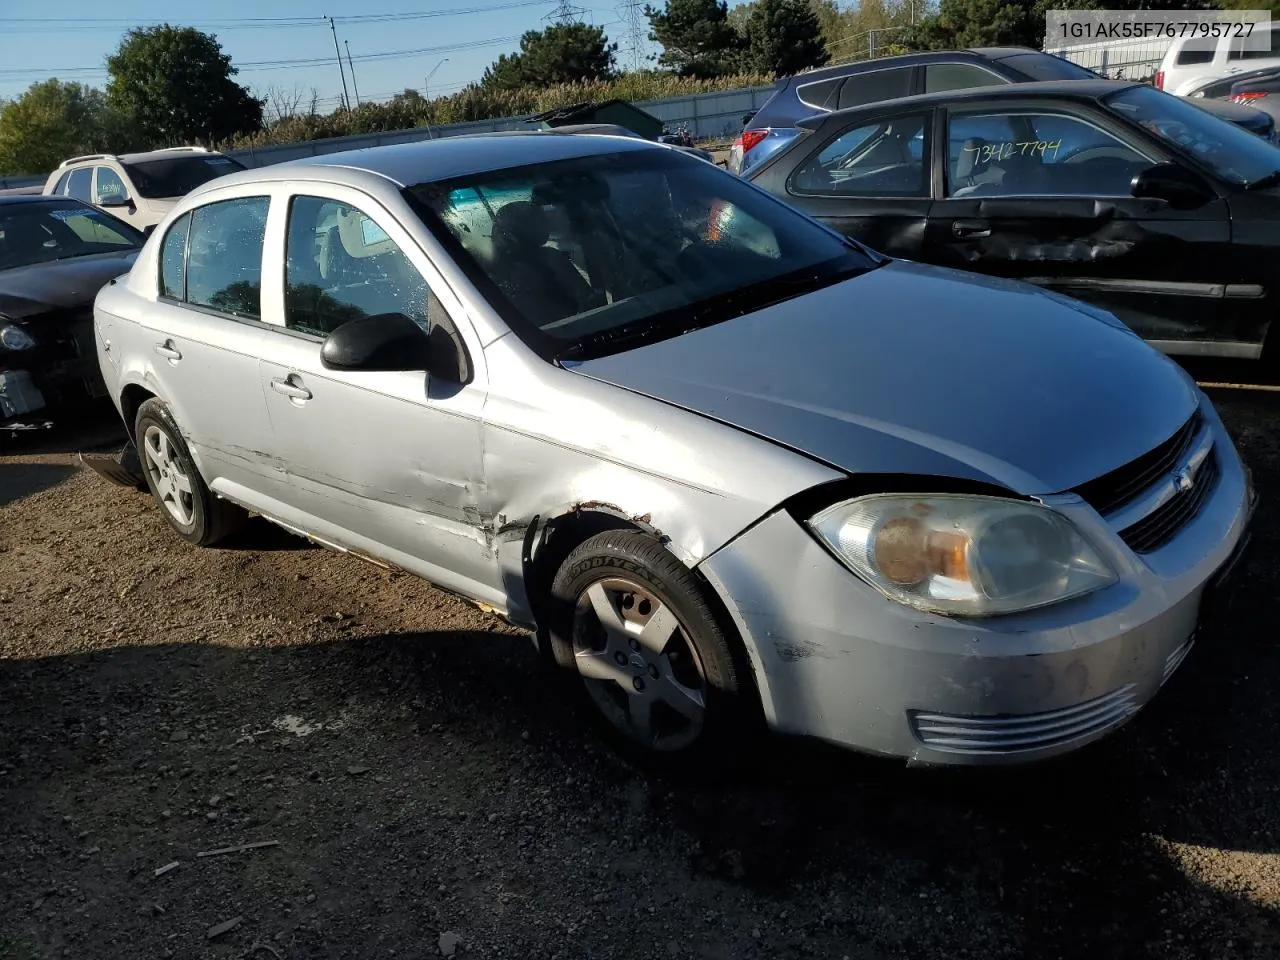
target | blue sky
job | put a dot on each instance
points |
(75, 37)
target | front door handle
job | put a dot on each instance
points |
(971, 229)
(169, 351)
(291, 389)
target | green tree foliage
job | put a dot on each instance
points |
(784, 37)
(562, 53)
(174, 85)
(52, 121)
(697, 38)
(982, 23)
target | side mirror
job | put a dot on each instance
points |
(392, 341)
(1173, 183)
(118, 200)
(385, 341)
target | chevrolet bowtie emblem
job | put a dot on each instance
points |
(1184, 480)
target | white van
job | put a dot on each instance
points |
(1190, 61)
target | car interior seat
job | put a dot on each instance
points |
(542, 281)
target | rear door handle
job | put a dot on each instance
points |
(972, 229)
(291, 389)
(168, 351)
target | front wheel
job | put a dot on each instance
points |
(635, 626)
(190, 508)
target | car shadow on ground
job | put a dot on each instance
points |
(18, 480)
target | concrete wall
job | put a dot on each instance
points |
(706, 115)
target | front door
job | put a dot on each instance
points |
(387, 463)
(1042, 193)
(868, 179)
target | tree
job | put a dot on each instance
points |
(990, 23)
(697, 37)
(174, 86)
(562, 53)
(784, 37)
(52, 121)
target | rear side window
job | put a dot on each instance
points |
(80, 185)
(884, 158)
(173, 260)
(1199, 50)
(1238, 51)
(875, 86)
(957, 76)
(820, 94)
(224, 256)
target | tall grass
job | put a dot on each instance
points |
(478, 103)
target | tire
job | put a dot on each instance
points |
(667, 683)
(186, 503)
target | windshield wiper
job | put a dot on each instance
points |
(1270, 180)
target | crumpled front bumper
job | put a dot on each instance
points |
(837, 661)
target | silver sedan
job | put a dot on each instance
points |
(732, 470)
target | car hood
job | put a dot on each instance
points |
(910, 369)
(26, 292)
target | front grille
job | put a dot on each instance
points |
(1113, 490)
(1011, 734)
(1160, 525)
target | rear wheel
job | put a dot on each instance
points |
(190, 508)
(636, 628)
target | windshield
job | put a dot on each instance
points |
(178, 176)
(1231, 153)
(585, 255)
(1045, 66)
(40, 232)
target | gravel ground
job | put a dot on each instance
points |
(425, 797)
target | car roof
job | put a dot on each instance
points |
(1061, 89)
(164, 153)
(17, 198)
(426, 161)
(906, 60)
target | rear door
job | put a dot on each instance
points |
(1039, 191)
(866, 177)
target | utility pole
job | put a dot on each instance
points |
(355, 88)
(426, 93)
(346, 102)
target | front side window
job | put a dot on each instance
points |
(581, 256)
(1036, 154)
(1232, 154)
(874, 86)
(80, 184)
(340, 266)
(884, 158)
(59, 230)
(177, 176)
(224, 256)
(110, 188)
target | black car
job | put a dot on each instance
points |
(1109, 191)
(866, 82)
(55, 255)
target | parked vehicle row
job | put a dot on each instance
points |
(733, 468)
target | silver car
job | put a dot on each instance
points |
(729, 477)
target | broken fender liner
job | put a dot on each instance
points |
(123, 467)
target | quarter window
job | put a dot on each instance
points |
(340, 266)
(224, 256)
(1197, 50)
(1036, 154)
(110, 186)
(884, 158)
(173, 260)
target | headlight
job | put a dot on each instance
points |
(963, 555)
(13, 337)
